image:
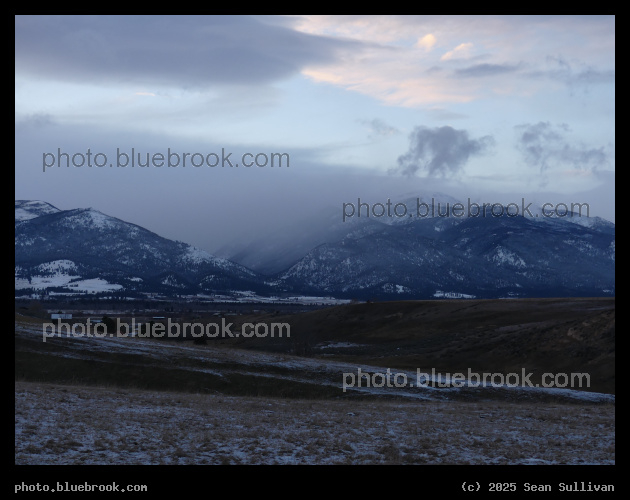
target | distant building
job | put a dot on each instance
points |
(61, 316)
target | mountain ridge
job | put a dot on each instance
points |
(421, 258)
(98, 246)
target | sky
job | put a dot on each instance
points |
(491, 108)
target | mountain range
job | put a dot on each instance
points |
(440, 255)
(84, 250)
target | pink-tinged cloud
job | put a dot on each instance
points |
(462, 50)
(426, 42)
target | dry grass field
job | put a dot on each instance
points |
(65, 424)
(111, 400)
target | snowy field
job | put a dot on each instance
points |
(64, 424)
(110, 422)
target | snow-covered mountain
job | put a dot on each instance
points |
(26, 209)
(278, 250)
(86, 250)
(481, 256)
(434, 256)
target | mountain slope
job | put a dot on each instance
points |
(87, 244)
(434, 256)
(484, 257)
(27, 209)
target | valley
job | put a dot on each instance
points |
(235, 400)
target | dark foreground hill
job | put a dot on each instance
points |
(135, 400)
(560, 335)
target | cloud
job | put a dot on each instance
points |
(484, 70)
(426, 42)
(398, 63)
(34, 120)
(573, 74)
(545, 146)
(181, 51)
(462, 50)
(379, 128)
(440, 151)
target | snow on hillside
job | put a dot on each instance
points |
(42, 282)
(94, 285)
(63, 266)
(29, 209)
(195, 255)
(91, 218)
(502, 255)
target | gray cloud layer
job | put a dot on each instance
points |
(485, 70)
(440, 151)
(187, 51)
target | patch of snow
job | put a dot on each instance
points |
(95, 285)
(452, 295)
(502, 255)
